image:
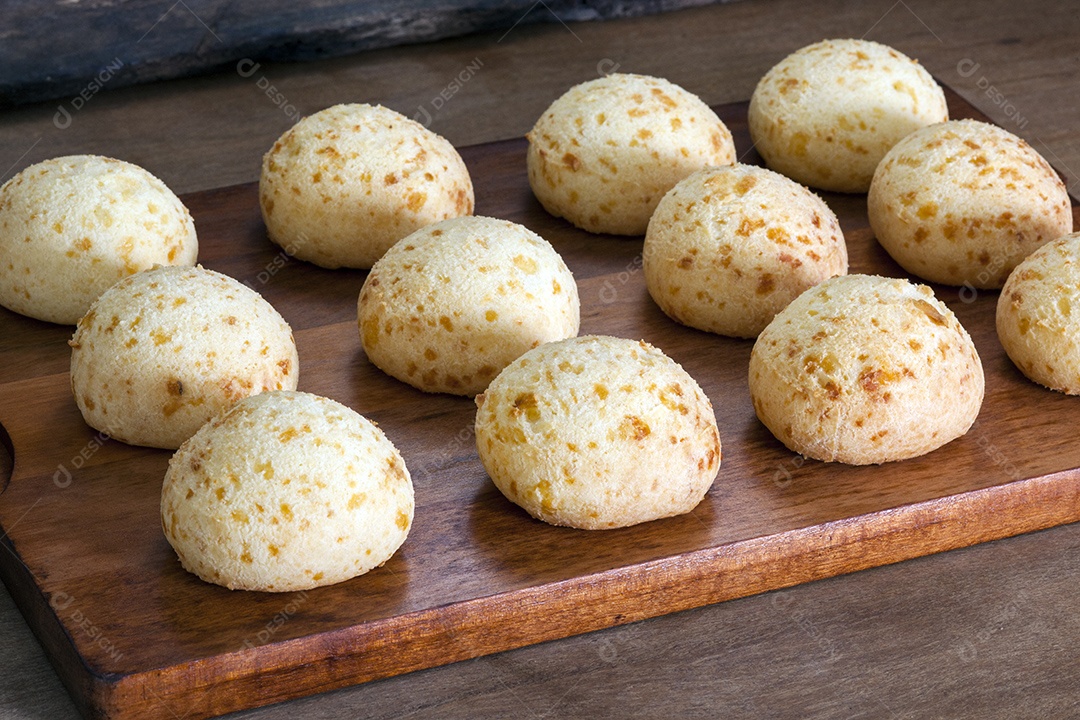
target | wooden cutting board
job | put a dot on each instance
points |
(134, 636)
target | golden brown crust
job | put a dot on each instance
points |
(598, 432)
(963, 202)
(864, 369)
(343, 185)
(287, 491)
(72, 226)
(730, 247)
(1038, 315)
(826, 114)
(604, 153)
(165, 350)
(448, 307)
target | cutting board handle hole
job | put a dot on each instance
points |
(7, 459)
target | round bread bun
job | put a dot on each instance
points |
(165, 350)
(826, 114)
(286, 491)
(730, 247)
(598, 432)
(454, 303)
(72, 226)
(604, 153)
(1038, 315)
(864, 369)
(343, 185)
(961, 203)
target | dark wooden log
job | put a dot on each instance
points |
(73, 50)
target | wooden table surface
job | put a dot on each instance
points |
(986, 632)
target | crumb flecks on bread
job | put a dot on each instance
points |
(165, 350)
(72, 226)
(729, 247)
(604, 153)
(598, 432)
(343, 185)
(826, 114)
(863, 370)
(286, 491)
(962, 202)
(1038, 315)
(448, 307)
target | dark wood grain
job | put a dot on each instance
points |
(133, 635)
(47, 55)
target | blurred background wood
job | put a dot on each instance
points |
(63, 48)
(985, 632)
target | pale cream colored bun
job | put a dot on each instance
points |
(454, 303)
(963, 202)
(598, 432)
(1038, 315)
(730, 247)
(343, 185)
(604, 153)
(286, 491)
(864, 369)
(72, 226)
(826, 114)
(165, 350)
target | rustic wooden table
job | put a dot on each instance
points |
(988, 631)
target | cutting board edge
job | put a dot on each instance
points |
(79, 679)
(464, 630)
